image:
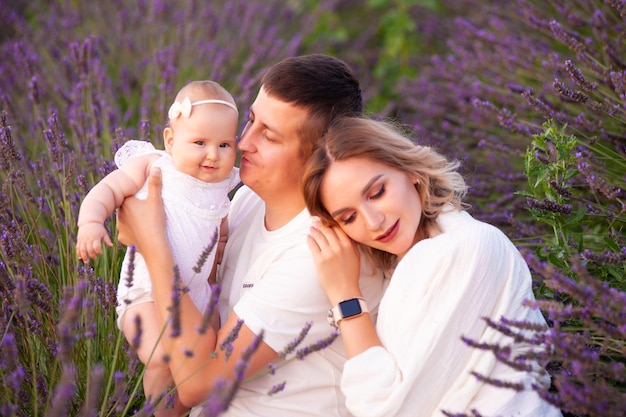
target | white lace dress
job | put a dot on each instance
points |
(194, 210)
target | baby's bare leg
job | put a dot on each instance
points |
(157, 379)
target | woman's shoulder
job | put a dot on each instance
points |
(461, 227)
(466, 246)
(462, 235)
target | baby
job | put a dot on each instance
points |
(198, 173)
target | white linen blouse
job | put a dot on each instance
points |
(440, 291)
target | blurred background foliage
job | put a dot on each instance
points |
(530, 95)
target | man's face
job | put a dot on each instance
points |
(271, 164)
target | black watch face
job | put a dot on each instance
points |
(350, 308)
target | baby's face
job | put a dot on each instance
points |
(203, 145)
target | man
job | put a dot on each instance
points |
(267, 273)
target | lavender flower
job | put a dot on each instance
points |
(130, 272)
(136, 341)
(291, 346)
(224, 390)
(206, 252)
(227, 343)
(478, 87)
(317, 346)
(174, 309)
(207, 315)
(277, 388)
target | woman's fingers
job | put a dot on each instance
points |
(327, 242)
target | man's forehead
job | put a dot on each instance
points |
(273, 112)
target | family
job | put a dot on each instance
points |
(342, 224)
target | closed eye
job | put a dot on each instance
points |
(379, 193)
(348, 220)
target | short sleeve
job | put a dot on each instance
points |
(131, 149)
(285, 299)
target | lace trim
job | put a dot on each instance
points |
(132, 149)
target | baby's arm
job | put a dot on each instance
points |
(103, 199)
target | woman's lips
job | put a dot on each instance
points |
(389, 234)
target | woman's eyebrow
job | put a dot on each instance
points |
(364, 190)
(370, 183)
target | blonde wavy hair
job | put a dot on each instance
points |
(438, 182)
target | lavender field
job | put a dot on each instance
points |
(530, 95)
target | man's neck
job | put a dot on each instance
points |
(280, 210)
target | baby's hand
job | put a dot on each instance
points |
(89, 241)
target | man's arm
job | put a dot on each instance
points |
(194, 364)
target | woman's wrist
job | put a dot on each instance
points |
(346, 310)
(339, 295)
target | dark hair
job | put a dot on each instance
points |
(438, 183)
(320, 83)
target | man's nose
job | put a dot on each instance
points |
(245, 141)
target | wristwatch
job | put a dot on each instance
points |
(346, 309)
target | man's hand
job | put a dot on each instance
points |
(141, 221)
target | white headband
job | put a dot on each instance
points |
(177, 108)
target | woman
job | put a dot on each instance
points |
(403, 203)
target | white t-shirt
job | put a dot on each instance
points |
(270, 280)
(439, 292)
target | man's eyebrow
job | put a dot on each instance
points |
(364, 190)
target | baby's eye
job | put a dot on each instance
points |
(225, 145)
(199, 142)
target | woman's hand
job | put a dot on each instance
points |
(140, 222)
(337, 260)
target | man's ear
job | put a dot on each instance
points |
(168, 138)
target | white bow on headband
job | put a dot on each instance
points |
(184, 108)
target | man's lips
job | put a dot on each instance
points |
(390, 233)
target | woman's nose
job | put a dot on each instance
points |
(373, 218)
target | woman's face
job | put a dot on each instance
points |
(374, 204)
